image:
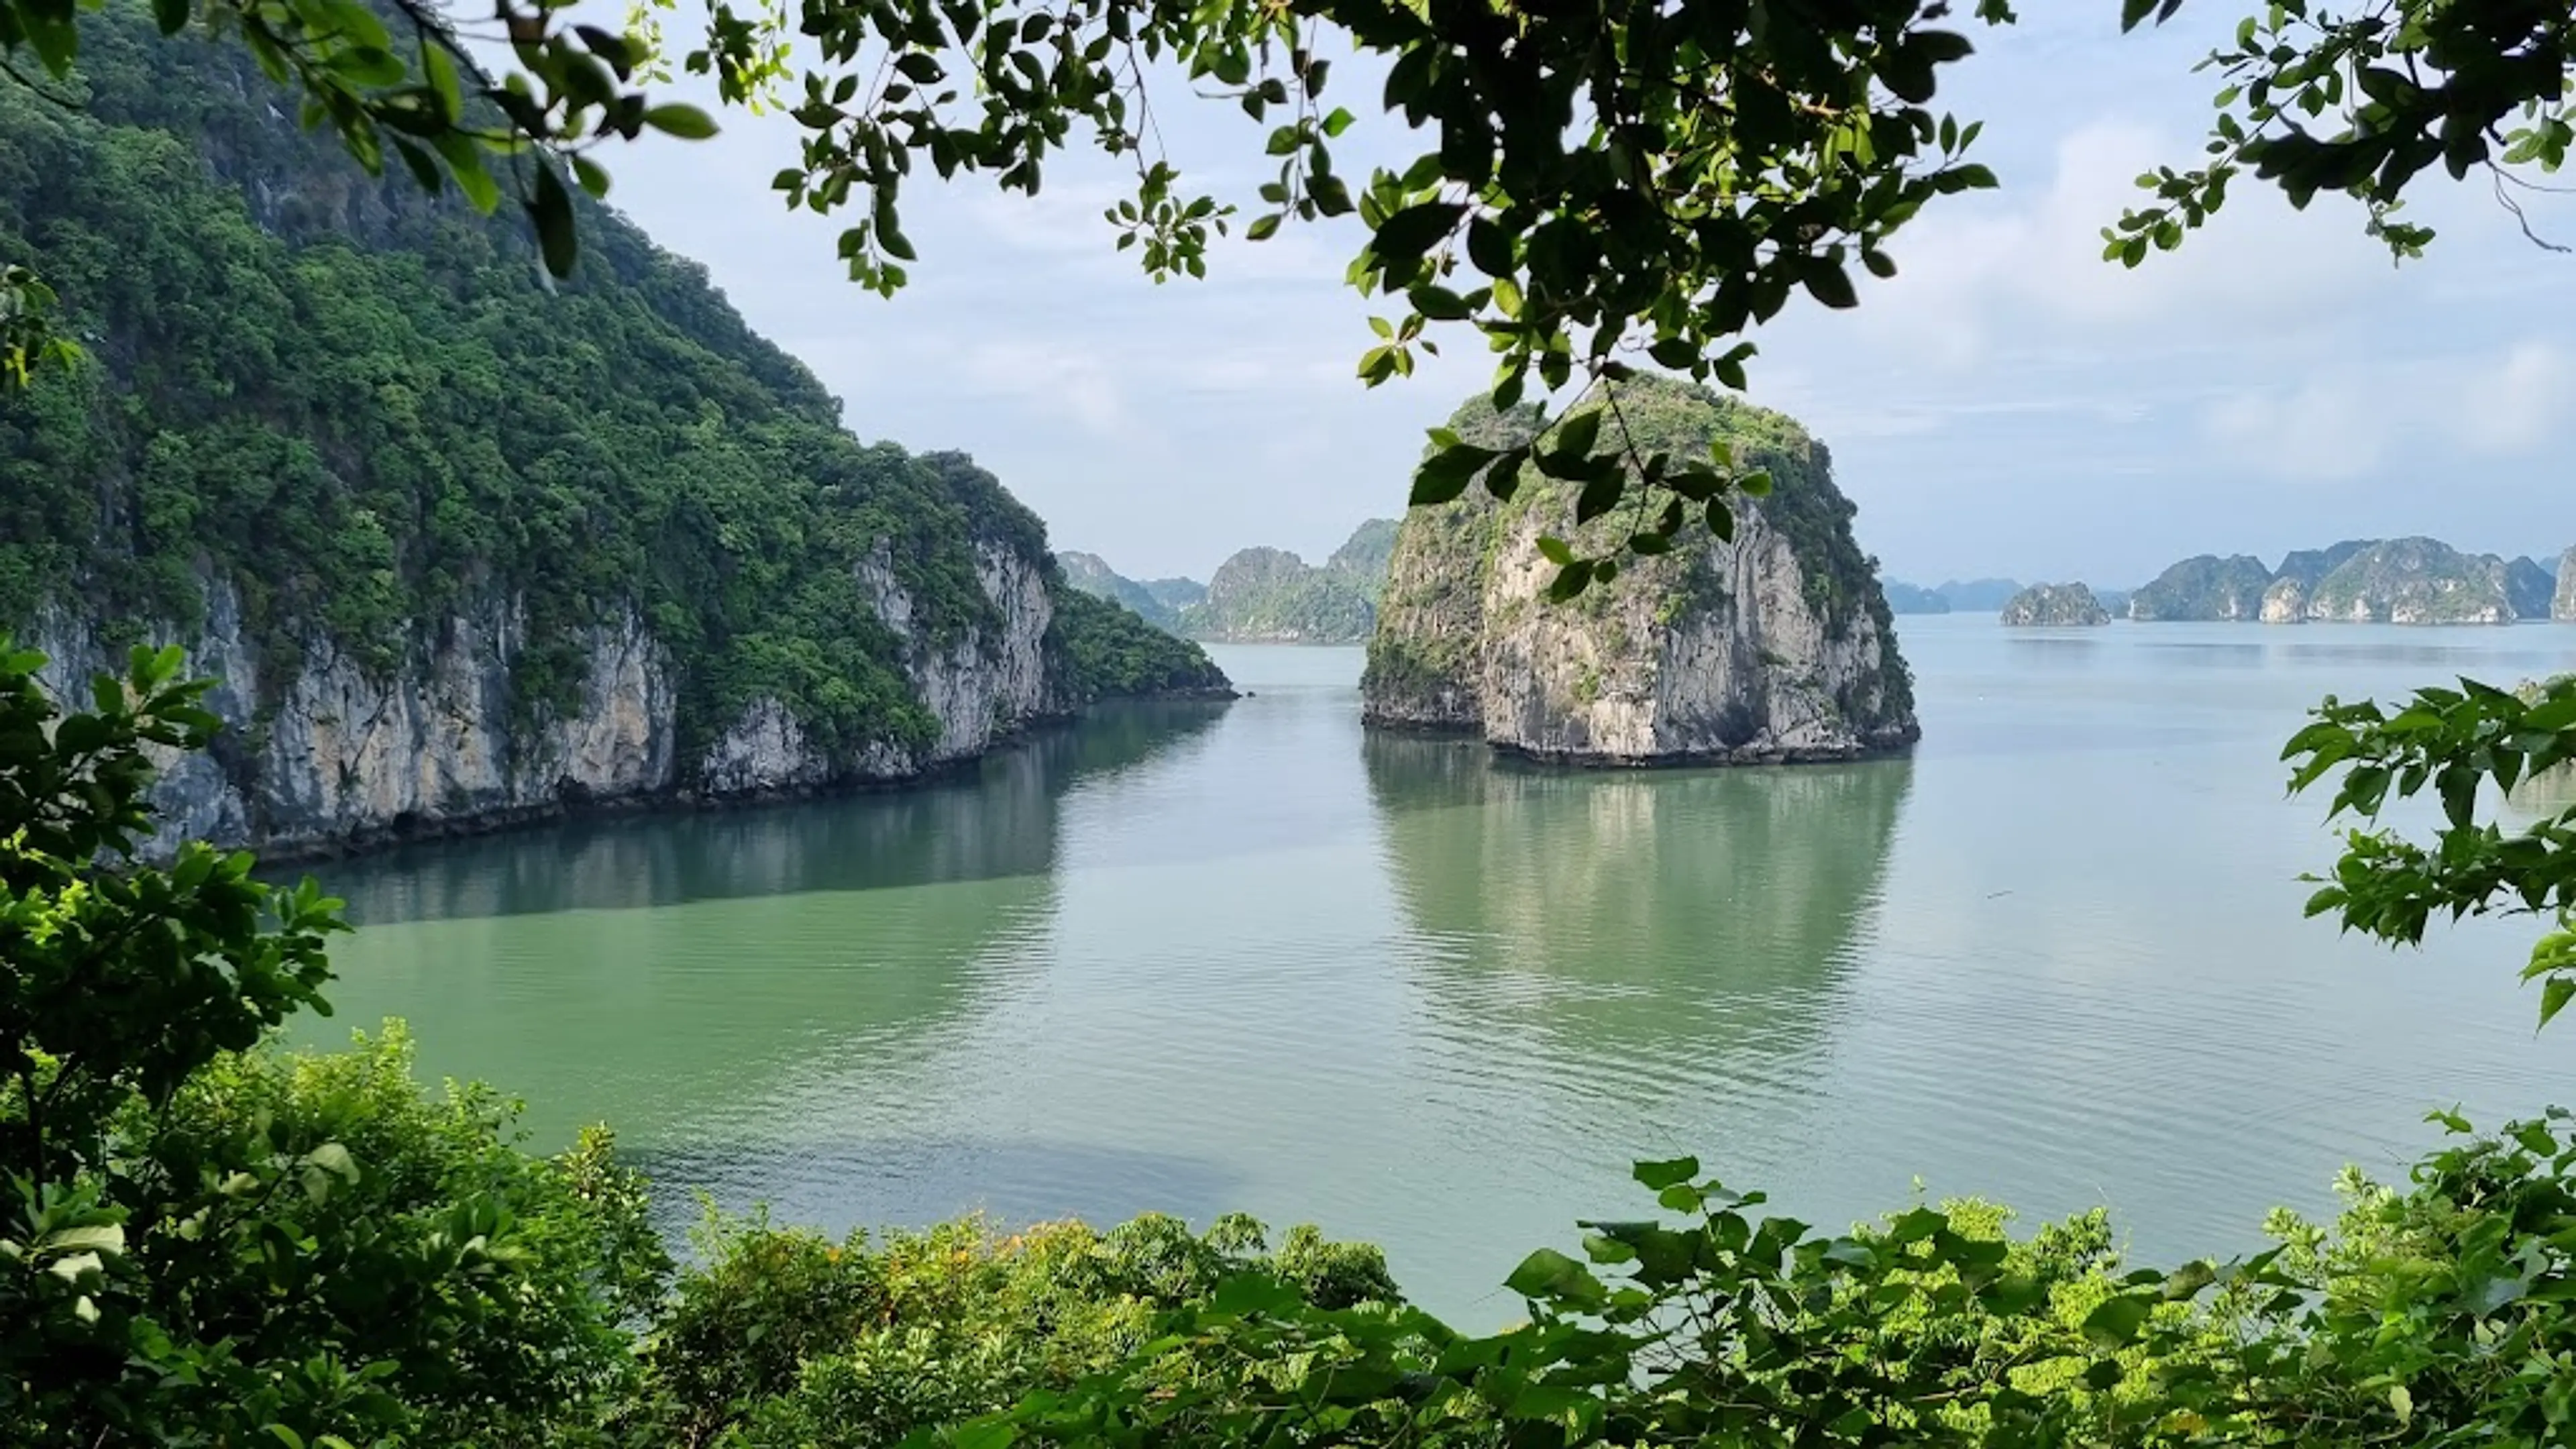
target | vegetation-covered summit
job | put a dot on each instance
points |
(361, 409)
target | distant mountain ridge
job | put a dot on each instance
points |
(1259, 595)
(2390, 581)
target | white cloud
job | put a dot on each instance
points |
(2323, 430)
(2521, 404)
(1067, 382)
(2009, 269)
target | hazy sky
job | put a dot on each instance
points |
(2009, 404)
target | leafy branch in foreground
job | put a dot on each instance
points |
(2459, 743)
(2433, 1314)
(2364, 101)
(1609, 179)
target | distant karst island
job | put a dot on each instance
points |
(2359, 581)
(1979, 596)
(1260, 595)
(2043, 605)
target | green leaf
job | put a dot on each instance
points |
(551, 210)
(440, 68)
(1411, 232)
(1828, 283)
(1445, 474)
(96, 1238)
(170, 15)
(677, 119)
(1555, 550)
(1576, 435)
(2116, 1320)
(2554, 994)
(1550, 1276)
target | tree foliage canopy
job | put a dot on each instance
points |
(1604, 180)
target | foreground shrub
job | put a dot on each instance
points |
(783, 1337)
(2436, 1313)
(202, 1242)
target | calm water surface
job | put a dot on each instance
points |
(1248, 956)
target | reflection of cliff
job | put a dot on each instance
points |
(995, 819)
(684, 977)
(1617, 913)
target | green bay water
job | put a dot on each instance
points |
(1201, 957)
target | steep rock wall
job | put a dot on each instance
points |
(337, 755)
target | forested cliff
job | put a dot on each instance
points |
(463, 546)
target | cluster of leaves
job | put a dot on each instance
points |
(2362, 102)
(783, 1338)
(198, 1245)
(333, 404)
(2459, 743)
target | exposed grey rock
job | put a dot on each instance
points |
(344, 757)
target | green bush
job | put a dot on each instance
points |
(780, 1337)
(205, 1242)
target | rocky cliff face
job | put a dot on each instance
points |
(1776, 646)
(2049, 605)
(2562, 600)
(337, 754)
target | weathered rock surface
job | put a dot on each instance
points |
(2562, 600)
(2049, 605)
(2286, 601)
(337, 756)
(1776, 646)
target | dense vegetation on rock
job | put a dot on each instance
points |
(2413, 581)
(1364, 554)
(1091, 574)
(2053, 604)
(2204, 587)
(1110, 651)
(1271, 596)
(358, 408)
(1777, 644)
